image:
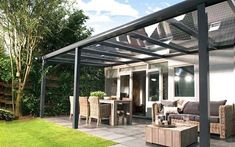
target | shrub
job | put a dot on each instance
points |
(30, 104)
(99, 94)
(6, 115)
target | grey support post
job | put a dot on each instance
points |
(76, 87)
(43, 89)
(204, 96)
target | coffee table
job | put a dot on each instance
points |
(179, 136)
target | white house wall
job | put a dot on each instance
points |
(222, 74)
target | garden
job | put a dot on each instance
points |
(40, 133)
(30, 29)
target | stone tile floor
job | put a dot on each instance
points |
(129, 135)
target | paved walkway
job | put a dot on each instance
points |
(128, 135)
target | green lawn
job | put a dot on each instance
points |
(40, 133)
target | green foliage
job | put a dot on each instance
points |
(99, 94)
(6, 115)
(59, 89)
(40, 133)
(57, 97)
(5, 69)
(30, 104)
(50, 25)
(91, 79)
(64, 31)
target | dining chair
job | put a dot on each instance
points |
(97, 110)
(83, 109)
(71, 107)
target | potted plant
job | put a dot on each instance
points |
(99, 94)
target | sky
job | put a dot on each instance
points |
(107, 14)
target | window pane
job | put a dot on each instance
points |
(125, 87)
(184, 81)
(111, 86)
(154, 86)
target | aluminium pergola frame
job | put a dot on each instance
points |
(162, 15)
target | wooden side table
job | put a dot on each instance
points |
(179, 136)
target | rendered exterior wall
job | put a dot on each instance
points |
(222, 75)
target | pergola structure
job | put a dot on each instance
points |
(110, 49)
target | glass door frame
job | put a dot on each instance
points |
(148, 72)
(127, 73)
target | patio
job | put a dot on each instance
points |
(129, 135)
(181, 39)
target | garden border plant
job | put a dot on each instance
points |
(6, 115)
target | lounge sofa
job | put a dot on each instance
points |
(221, 115)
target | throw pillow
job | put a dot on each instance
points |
(170, 110)
(181, 104)
(191, 108)
(169, 103)
(214, 107)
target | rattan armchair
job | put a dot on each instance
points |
(97, 110)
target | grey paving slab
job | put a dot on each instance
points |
(124, 139)
(115, 136)
(129, 136)
(119, 145)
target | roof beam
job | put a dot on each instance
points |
(188, 30)
(162, 15)
(95, 57)
(183, 27)
(101, 58)
(63, 60)
(70, 57)
(130, 48)
(156, 42)
(108, 53)
(69, 62)
(95, 62)
(60, 61)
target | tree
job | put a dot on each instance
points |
(26, 25)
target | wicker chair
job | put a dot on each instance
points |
(84, 108)
(97, 110)
(71, 107)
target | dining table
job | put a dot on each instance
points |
(114, 106)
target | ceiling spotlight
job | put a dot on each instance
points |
(177, 78)
(154, 80)
(188, 78)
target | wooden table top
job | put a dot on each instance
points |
(114, 101)
(178, 127)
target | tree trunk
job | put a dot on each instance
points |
(18, 103)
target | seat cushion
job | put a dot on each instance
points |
(213, 119)
(191, 108)
(181, 116)
(214, 107)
